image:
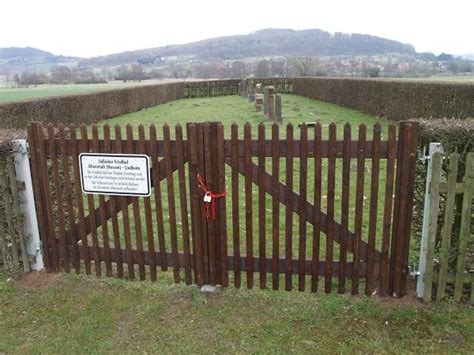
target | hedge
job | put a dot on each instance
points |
(393, 99)
(88, 108)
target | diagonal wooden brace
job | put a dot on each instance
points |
(309, 208)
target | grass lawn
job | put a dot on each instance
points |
(59, 313)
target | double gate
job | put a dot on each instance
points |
(343, 215)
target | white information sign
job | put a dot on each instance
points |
(115, 174)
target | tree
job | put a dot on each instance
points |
(61, 74)
(237, 69)
(303, 66)
(372, 72)
(263, 69)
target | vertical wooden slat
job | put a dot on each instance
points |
(171, 201)
(235, 204)
(209, 166)
(447, 225)
(248, 202)
(289, 207)
(34, 161)
(91, 207)
(346, 168)
(317, 207)
(432, 225)
(261, 206)
(374, 197)
(303, 203)
(125, 213)
(195, 204)
(103, 212)
(464, 231)
(275, 206)
(410, 191)
(221, 205)
(148, 213)
(48, 203)
(183, 204)
(402, 208)
(80, 200)
(200, 168)
(68, 194)
(359, 208)
(387, 215)
(331, 184)
(59, 198)
(158, 202)
(136, 213)
(113, 212)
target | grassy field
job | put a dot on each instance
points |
(74, 314)
(19, 94)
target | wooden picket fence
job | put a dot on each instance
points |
(446, 270)
(281, 238)
(13, 253)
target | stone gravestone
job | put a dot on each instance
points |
(251, 95)
(265, 101)
(244, 88)
(258, 102)
(271, 103)
(258, 88)
(279, 116)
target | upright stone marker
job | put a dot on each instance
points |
(271, 103)
(251, 91)
(265, 101)
(244, 91)
(258, 102)
(279, 116)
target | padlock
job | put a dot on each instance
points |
(207, 197)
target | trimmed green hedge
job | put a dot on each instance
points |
(393, 99)
(88, 108)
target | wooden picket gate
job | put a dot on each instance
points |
(81, 230)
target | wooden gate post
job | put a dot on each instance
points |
(206, 152)
(403, 208)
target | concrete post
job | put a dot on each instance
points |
(27, 204)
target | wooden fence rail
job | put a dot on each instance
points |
(439, 270)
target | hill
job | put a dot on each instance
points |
(15, 60)
(268, 42)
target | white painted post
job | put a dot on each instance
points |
(420, 284)
(27, 204)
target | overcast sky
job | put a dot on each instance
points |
(96, 27)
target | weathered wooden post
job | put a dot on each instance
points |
(271, 103)
(278, 115)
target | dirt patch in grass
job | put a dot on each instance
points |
(39, 280)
